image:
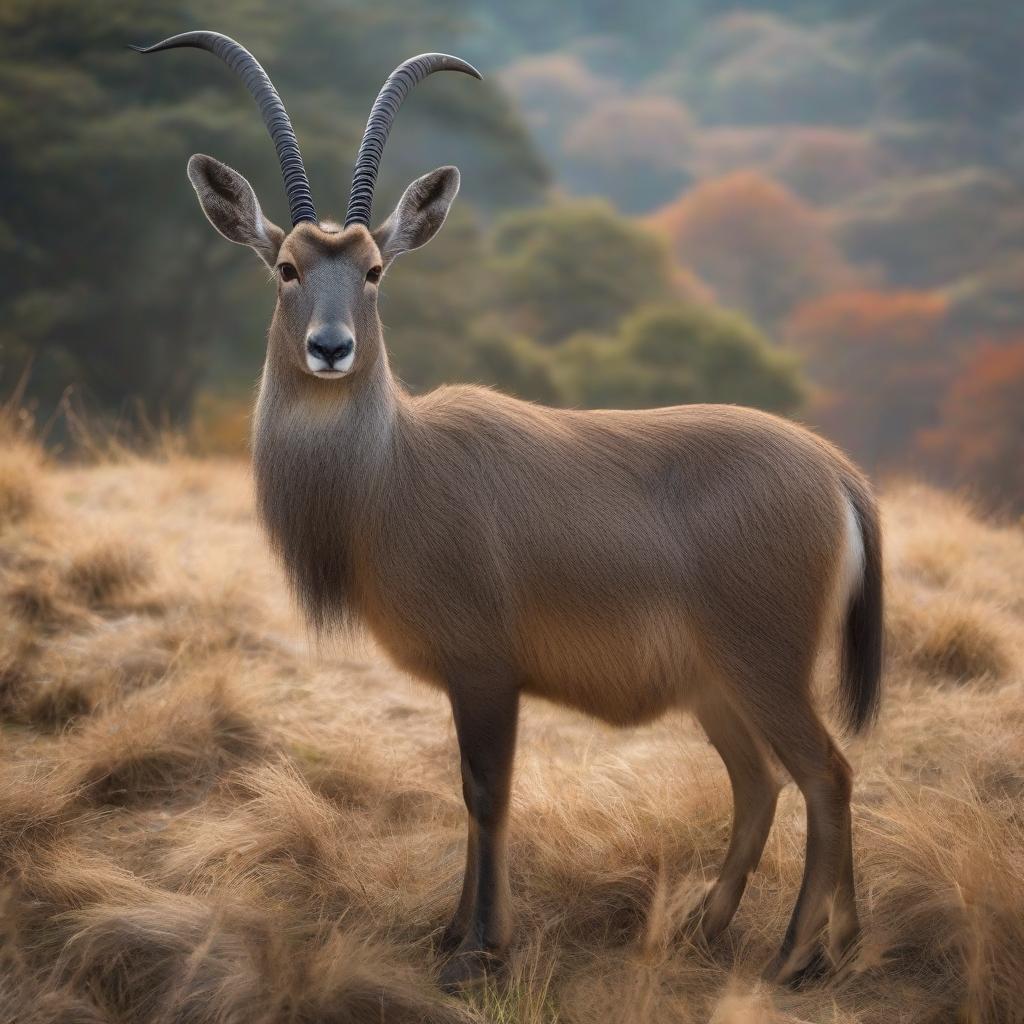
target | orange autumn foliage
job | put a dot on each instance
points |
(980, 438)
(880, 365)
(842, 325)
(759, 247)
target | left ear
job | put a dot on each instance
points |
(232, 208)
(419, 213)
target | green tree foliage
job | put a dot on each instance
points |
(575, 267)
(668, 355)
(510, 362)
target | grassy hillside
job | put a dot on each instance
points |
(204, 819)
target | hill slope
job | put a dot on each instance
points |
(201, 818)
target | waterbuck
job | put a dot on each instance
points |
(619, 563)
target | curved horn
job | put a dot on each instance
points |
(385, 107)
(275, 117)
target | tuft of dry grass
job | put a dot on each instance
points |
(949, 871)
(202, 819)
(36, 600)
(157, 746)
(952, 639)
(20, 477)
(36, 802)
(18, 496)
(107, 570)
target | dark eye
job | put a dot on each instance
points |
(287, 272)
(373, 274)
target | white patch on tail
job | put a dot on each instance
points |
(853, 555)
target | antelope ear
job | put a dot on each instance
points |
(419, 214)
(232, 208)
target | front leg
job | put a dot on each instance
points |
(459, 924)
(485, 711)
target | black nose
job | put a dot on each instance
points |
(331, 344)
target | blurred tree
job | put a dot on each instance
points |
(980, 437)
(928, 231)
(880, 364)
(985, 36)
(555, 90)
(680, 353)
(755, 243)
(113, 282)
(510, 362)
(636, 150)
(721, 151)
(825, 166)
(755, 68)
(990, 301)
(921, 81)
(575, 267)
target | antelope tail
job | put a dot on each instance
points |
(860, 679)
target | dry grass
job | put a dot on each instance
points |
(19, 475)
(202, 820)
(21, 465)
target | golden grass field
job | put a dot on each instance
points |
(204, 818)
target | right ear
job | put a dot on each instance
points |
(232, 208)
(419, 214)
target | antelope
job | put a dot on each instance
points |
(622, 564)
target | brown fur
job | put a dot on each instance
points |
(620, 563)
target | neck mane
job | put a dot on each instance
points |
(322, 451)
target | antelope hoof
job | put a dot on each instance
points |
(451, 937)
(797, 972)
(845, 943)
(469, 967)
(708, 919)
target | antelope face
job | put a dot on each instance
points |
(327, 295)
(327, 276)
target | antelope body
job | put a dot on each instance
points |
(619, 563)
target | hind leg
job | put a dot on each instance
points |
(754, 790)
(844, 924)
(804, 747)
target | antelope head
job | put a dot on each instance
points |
(325, 323)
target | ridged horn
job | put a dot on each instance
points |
(275, 117)
(400, 82)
